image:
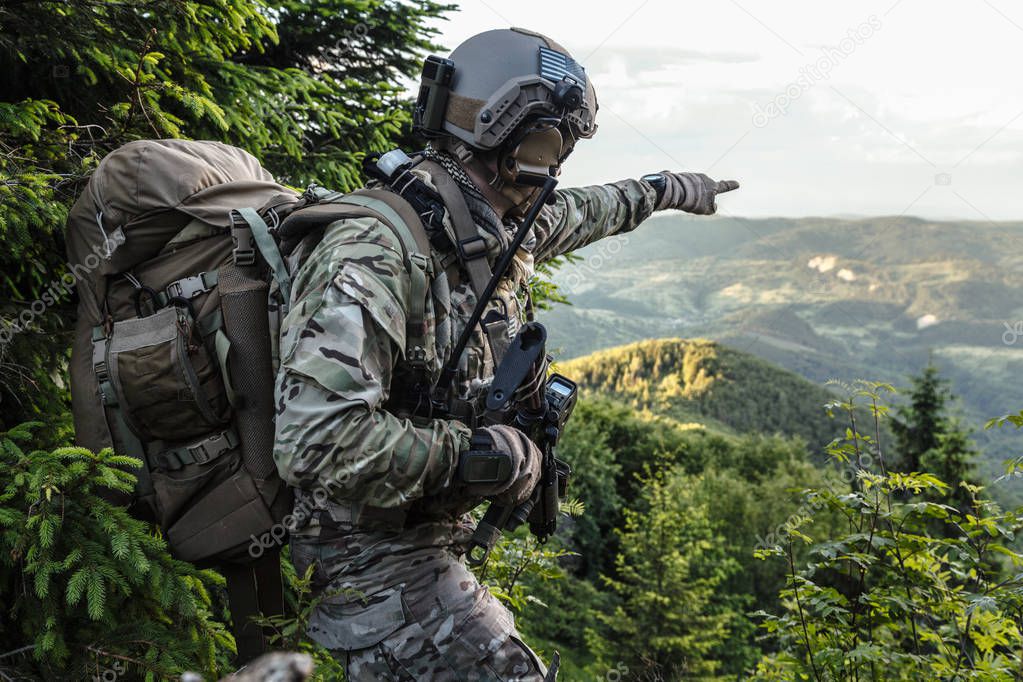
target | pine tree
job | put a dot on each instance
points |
(928, 439)
(921, 423)
(306, 86)
(670, 620)
(86, 590)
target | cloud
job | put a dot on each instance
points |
(638, 60)
(681, 89)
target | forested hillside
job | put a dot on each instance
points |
(704, 382)
(678, 494)
(706, 504)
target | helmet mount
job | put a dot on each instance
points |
(433, 93)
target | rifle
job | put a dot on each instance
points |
(541, 408)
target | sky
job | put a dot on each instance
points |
(820, 108)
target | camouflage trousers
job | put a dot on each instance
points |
(403, 606)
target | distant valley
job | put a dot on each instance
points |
(824, 297)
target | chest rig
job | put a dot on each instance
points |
(463, 259)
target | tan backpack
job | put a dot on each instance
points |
(181, 291)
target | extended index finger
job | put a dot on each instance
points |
(727, 186)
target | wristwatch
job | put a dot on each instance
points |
(658, 182)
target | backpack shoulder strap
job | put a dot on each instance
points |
(472, 249)
(253, 590)
(408, 227)
(398, 216)
(248, 227)
(399, 213)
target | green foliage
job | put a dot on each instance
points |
(750, 506)
(561, 613)
(86, 588)
(671, 619)
(1013, 467)
(287, 631)
(730, 500)
(596, 476)
(747, 488)
(308, 87)
(891, 596)
(518, 560)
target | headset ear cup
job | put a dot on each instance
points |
(508, 167)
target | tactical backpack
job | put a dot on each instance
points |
(177, 250)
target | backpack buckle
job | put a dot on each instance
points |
(417, 357)
(244, 244)
(423, 262)
(472, 248)
(190, 287)
(203, 452)
(213, 447)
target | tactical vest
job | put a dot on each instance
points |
(463, 258)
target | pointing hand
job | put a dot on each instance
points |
(690, 192)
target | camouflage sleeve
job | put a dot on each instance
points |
(341, 339)
(582, 215)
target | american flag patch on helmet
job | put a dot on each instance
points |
(554, 66)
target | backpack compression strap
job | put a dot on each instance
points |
(256, 229)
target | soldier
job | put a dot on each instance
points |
(379, 488)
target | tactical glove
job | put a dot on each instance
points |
(690, 192)
(501, 463)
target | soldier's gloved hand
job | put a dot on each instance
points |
(689, 192)
(501, 463)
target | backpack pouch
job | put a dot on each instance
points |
(183, 474)
(168, 385)
(224, 522)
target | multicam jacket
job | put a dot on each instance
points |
(345, 337)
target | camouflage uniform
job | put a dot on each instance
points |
(383, 525)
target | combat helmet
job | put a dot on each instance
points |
(505, 89)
